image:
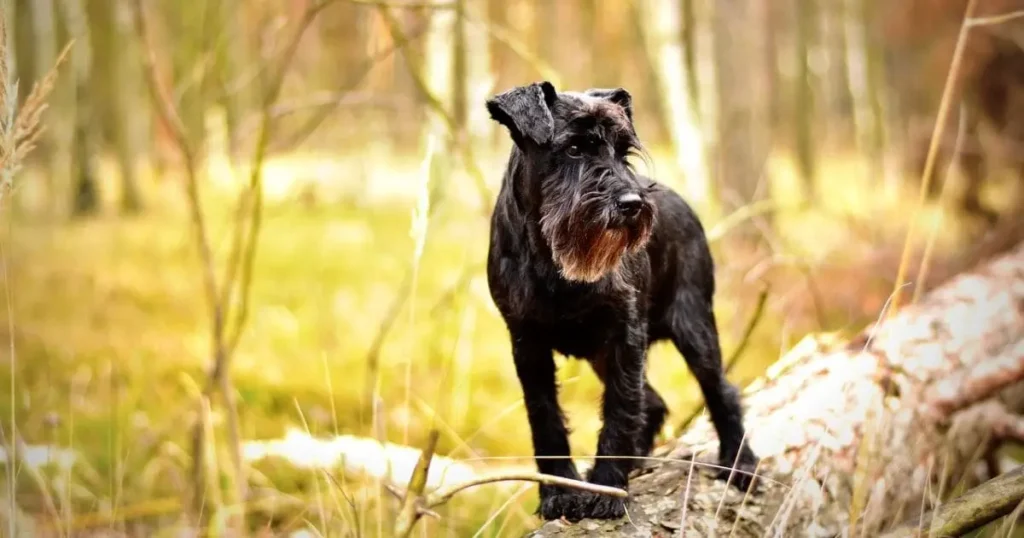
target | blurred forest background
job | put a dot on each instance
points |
(249, 245)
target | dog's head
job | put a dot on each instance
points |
(593, 208)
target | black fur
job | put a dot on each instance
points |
(589, 259)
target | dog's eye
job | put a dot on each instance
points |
(574, 150)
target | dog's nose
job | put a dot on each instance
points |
(629, 204)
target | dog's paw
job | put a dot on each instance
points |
(605, 507)
(562, 503)
(577, 505)
(742, 471)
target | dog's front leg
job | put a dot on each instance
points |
(535, 366)
(622, 368)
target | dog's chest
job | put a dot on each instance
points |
(579, 339)
(578, 321)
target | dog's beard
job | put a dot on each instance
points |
(584, 244)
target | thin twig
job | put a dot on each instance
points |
(755, 318)
(398, 35)
(166, 109)
(170, 115)
(440, 497)
(933, 147)
(994, 19)
(410, 512)
(250, 242)
(311, 125)
(386, 324)
(329, 100)
(416, 504)
(403, 5)
(740, 216)
(445, 300)
(256, 185)
(508, 38)
(926, 258)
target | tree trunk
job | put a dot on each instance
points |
(742, 116)
(838, 97)
(662, 40)
(112, 93)
(85, 189)
(439, 72)
(34, 34)
(86, 195)
(866, 72)
(688, 40)
(479, 82)
(859, 436)
(193, 34)
(803, 98)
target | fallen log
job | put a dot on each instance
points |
(986, 503)
(855, 437)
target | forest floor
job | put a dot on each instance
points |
(110, 327)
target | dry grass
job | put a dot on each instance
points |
(120, 335)
(21, 124)
(107, 317)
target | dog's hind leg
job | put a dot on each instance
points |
(654, 412)
(654, 418)
(695, 335)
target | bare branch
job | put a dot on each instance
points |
(169, 114)
(410, 512)
(933, 148)
(508, 38)
(398, 35)
(440, 497)
(386, 323)
(329, 100)
(446, 298)
(165, 105)
(315, 122)
(994, 19)
(416, 504)
(755, 318)
(398, 4)
(972, 510)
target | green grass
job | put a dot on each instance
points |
(111, 330)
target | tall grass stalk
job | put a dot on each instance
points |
(20, 129)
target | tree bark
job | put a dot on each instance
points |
(661, 35)
(85, 190)
(743, 140)
(838, 96)
(860, 436)
(804, 96)
(112, 91)
(864, 59)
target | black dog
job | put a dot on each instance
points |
(589, 259)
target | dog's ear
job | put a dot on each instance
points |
(618, 96)
(526, 112)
